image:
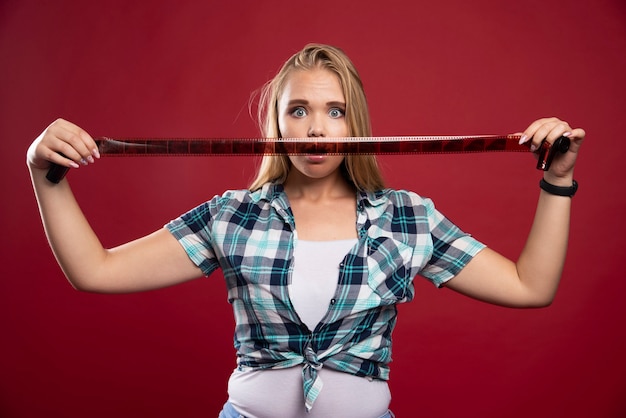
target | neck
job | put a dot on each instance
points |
(299, 186)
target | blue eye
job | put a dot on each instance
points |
(298, 112)
(336, 113)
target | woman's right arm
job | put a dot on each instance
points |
(151, 262)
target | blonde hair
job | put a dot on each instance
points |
(361, 171)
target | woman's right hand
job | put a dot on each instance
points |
(62, 143)
(154, 261)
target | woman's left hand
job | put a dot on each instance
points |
(550, 129)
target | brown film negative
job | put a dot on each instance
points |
(319, 145)
(282, 146)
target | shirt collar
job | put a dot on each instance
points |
(372, 199)
(272, 191)
(268, 192)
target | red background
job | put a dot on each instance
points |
(184, 68)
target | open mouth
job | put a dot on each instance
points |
(315, 148)
(309, 147)
(315, 151)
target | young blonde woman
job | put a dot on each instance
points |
(316, 254)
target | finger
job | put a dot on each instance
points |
(576, 138)
(73, 142)
(578, 134)
(529, 132)
(553, 131)
(55, 157)
(548, 129)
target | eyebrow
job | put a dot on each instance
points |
(295, 102)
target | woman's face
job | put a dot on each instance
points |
(312, 105)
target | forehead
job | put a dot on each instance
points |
(317, 83)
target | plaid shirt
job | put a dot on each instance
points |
(251, 236)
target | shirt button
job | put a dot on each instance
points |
(333, 301)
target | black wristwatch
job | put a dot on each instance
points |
(558, 190)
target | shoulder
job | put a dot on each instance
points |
(232, 206)
(397, 198)
(239, 198)
(234, 195)
(231, 199)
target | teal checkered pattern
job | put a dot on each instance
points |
(251, 237)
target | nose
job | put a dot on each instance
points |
(316, 127)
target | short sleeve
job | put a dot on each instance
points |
(193, 232)
(452, 248)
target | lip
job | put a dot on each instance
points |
(315, 158)
(315, 153)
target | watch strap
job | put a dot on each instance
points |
(559, 190)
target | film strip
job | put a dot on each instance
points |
(398, 145)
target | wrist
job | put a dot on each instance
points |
(560, 181)
(558, 190)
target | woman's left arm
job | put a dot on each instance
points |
(533, 280)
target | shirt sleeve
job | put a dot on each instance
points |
(452, 248)
(193, 232)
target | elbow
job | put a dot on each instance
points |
(89, 280)
(82, 286)
(85, 284)
(540, 293)
(539, 301)
(541, 304)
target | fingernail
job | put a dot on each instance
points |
(73, 164)
(566, 134)
(533, 148)
(90, 159)
(523, 139)
(96, 153)
(83, 161)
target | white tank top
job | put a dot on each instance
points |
(278, 393)
(314, 277)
